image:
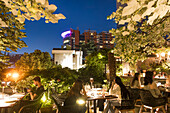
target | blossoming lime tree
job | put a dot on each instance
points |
(143, 26)
(12, 17)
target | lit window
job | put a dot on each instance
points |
(66, 41)
(101, 46)
(81, 41)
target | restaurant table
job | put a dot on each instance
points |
(98, 98)
(8, 101)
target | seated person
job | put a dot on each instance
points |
(39, 88)
(136, 81)
(150, 85)
(75, 94)
(32, 94)
(129, 74)
(120, 90)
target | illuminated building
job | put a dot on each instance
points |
(67, 58)
(74, 39)
(71, 38)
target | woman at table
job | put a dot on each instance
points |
(150, 85)
(136, 81)
(74, 95)
(119, 89)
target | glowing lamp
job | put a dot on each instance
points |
(157, 55)
(168, 53)
(163, 54)
(80, 101)
(9, 74)
(15, 75)
(104, 81)
(3, 82)
(66, 34)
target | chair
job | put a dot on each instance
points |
(135, 94)
(126, 105)
(129, 104)
(31, 106)
(65, 109)
(150, 102)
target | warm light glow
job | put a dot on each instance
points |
(80, 101)
(15, 75)
(168, 53)
(43, 98)
(66, 41)
(66, 34)
(157, 55)
(3, 82)
(163, 54)
(100, 56)
(9, 74)
(101, 46)
(8, 83)
(7, 100)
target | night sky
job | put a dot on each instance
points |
(85, 14)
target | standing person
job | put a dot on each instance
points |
(39, 88)
(120, 90)
(136, 81)
(150, 85)
(74, 95)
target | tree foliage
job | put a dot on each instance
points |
(12, 17)
(36, 60)
(33, 10)
(89, 47)
(143, 27)
(10, 37)
(94, 68)
(56, 76)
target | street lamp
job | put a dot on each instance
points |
(15, 75)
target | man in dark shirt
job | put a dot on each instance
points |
(39, 90)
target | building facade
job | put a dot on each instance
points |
(74, 39)
(67, 58)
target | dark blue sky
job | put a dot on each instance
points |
(84, 14)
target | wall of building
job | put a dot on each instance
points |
(68, 58)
